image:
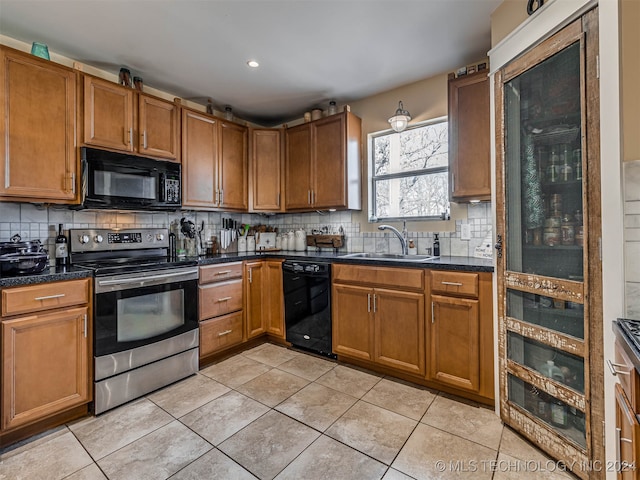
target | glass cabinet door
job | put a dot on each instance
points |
(543, 168)
(542, 225)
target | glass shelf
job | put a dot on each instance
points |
(566, 421)
(564, 368)
(560, 316)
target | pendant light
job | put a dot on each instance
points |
(401, 118)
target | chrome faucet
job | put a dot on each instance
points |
(401, 236)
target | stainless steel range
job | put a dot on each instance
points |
(145, 312)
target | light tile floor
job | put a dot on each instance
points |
(271, 412)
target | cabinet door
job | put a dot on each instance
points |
(352, 326)
(45, 366)
(266, 170)
(454, 357)
(399, 330)
(274, 300)
(199, 160)
(550, 279)
(469, 138)
(108, 115)
(158, 127)
(38, 124)
(254, 284)
(628, 437)
(298, 171)
(232, 174)
(329, 183)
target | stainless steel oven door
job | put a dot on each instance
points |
(139, 309)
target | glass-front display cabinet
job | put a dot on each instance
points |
(548, 229)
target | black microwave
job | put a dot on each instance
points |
(119, 181)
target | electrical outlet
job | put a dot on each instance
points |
(465, 231)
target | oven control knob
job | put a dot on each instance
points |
(159, 237)
(98, 239)
(84, 239)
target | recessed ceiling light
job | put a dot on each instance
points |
(253, 64)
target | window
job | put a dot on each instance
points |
(410, 173)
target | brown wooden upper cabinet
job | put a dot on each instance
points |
(469, 138)
(38, 124)
(266, 170)
(122, 119)
(214, 163)
(323, 164)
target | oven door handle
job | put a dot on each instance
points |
(134, 280)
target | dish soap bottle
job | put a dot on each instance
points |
(436, 245)
(61, 248)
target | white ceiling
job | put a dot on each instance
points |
(310, 51)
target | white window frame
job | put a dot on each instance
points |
(426, 171)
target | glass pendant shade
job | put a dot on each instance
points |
(401, 119)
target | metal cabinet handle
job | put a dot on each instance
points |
(368, 303)
(251, 275)
(73, 183)
(375, 303)
(144, 139)
(433, 313)
(457, 284)
(223, 272)
(313, 197)
(309, 197)
(85, 326)
(223, 299)
(49, 297)
(620, 465)
(226, 332)
(613, 367)
(221, 197)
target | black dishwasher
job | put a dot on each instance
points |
(307, 305)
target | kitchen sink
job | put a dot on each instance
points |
(391, 257)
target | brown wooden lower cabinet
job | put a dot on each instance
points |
(220, 305)
(382, 319)
(239, 302)
(381, 324)
(460, 331)
(273, 300)
(454, 342)
(628, 437)
(255, 316)
(46, 368)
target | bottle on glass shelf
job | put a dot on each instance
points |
(62, 252)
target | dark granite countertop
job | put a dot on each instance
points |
(439, 263)
(52, 274)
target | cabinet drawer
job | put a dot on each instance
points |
(396, 278)
(219, 333)
(220, 273)
(459, 283)
(45, 296)
(220, 298)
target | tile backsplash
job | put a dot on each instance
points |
(632, 238)
(41, 222)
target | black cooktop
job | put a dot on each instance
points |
(116, 266)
